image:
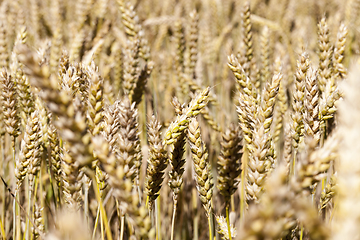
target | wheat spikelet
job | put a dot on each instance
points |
(34, 16)
(109, 96)
(246, 107)
(177, 165)
(112, 124)
(192, 45)
(257, 164)
(157, 161)
(311, 114)
(9, 104)
(118, 68)
(131, 66)
(81, 82)
(229, 162)
(133, 28)
(247, 37)
(55, 154)
(82, 8)
(339, 68)
(203, 175)
(129, 19)
(22, 35)
(76, 45)
(64, 63)
(328, 194)
(38, 220)
(129, 148)
(95, 101)
(4, 55)
(327, 105)
(26, 97)
(287, 152)
(298, 104)
(281, 105)
(325, 55)
(101, 179)
(265, 55)
(179, 42)
(32, 147)
(238, 71)
(246, 113)
(55, 52)
(268, 101)
(140, 84)
(30, 155)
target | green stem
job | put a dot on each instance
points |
(228, 221)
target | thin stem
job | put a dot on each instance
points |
(86, 200)
(102, 228)
(157, 218)
(243, 182)
(122, 227)
(3, 235)
(232, 203)
(29, 213)
(2, 148)
(292, 172)
(173, 221)
(228, 221)
(14, 203)
(196, 218)
(121, 220)
(14, 218)
(96, 222)
(210, 228)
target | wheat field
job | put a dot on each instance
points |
(179, 119)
